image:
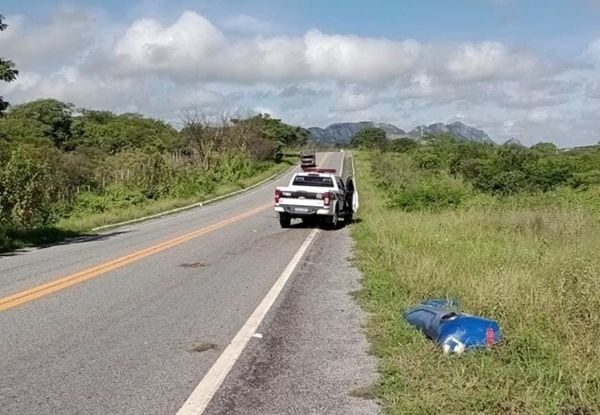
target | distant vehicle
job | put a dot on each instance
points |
(308, 159)
(316, 195)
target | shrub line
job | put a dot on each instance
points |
(194, 205)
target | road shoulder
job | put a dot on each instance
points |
(312, 356)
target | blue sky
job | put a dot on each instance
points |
(528, 21)
(517, 68)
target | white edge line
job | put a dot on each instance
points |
(203, 393)
(353, 171)
(342, 165)
(199, 204)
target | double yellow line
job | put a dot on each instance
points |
(87, 274)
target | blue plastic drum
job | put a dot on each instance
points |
(455, 332)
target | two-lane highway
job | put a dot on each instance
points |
(132, 320)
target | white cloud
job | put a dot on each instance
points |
(355, 59)
(593, 90)
(193, 47)
(539, 116)
(593, 51)
(351, 99)
(532, 93)
(422, 85)
(488, 60)
(261, 59)
(243, 23)
(65, 35)
(160, 68)
(508, 125)
(189, 42)
(265, 110)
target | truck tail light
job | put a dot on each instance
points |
(326, 199)
(277, 195)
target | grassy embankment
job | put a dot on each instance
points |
(83, 224)
(529, 261)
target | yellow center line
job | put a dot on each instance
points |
(101, 269)
(59, 284)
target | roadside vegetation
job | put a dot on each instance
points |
(65, 170)
(513, 233)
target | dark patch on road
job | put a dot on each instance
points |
(366, 392)
(355, 294)
(194, 265)
(204, 347)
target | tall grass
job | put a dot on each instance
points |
(88, 221)
(114, 208)
(531, 262)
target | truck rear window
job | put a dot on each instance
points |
(316, 181)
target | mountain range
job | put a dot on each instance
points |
(342, 133)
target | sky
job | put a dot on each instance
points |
(525, 69)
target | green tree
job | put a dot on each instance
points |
(25, 189)
(41, 120)
(281, 133)
(370, 138)
(8, 73)
(549, 172)
(403, 144)
(114, 133)
(276, 131)
(545, 148)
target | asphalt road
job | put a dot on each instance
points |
(130, 321)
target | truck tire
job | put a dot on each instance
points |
(309, 221)
(285, 220)
(348, 217)
(332, 222)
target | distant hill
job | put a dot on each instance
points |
(342, 133)
(456, 129)
(513, 142)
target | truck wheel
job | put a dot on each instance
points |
(348, 218)
(308, 221)
(284, 220)
(332, 222)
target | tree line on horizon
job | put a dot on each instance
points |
(56, 161)
(442, 171)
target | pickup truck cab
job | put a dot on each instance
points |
(316, 194)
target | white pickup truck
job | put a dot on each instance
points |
(316, 194)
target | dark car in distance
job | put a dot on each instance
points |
(308, 159)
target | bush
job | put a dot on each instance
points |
(548, 173)
(370, 138)
(585, 179)
(403, 144)
(113, 197)
(428, 160)
(25, 189)
(430, 193)
(191, 184)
